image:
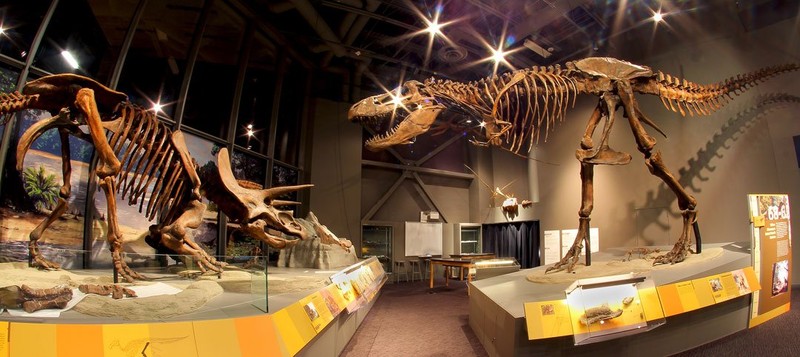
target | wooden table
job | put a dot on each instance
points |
(448, 263)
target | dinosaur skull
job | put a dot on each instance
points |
(421, 112)
(257, 210)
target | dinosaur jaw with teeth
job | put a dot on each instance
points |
(416, 123)
(422, 111)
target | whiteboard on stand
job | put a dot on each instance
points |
(423, 239)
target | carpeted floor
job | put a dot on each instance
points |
(411, 320)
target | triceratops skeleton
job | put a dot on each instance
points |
(144, 161)
(515, 108)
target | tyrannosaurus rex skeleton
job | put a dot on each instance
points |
(516, 107)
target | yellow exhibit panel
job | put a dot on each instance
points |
(317, 311)
(547, 319)
(705, 296)
(122, 340)
(301, 322)
(4, 338)
(216, 338)
(752, 279)
(257, 336)
(687, 295)
(32, 340)
(27, 339)
(651, 304)
(287, 331)
(670, 300)
(79, 340)
(172, 339)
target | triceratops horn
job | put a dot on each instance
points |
(277, 191)
(280, 203)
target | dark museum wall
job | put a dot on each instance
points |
(743, 148)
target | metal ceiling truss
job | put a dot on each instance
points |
(410, 170)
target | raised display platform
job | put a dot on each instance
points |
(498, 319)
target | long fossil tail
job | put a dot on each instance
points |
(684, 96)
(14, 102)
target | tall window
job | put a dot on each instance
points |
(154, 66)
(210, 97)
(90, 49)
(255, 108)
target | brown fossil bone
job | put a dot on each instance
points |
(255, 210)
(325, 235)
(516, 108)
(598, 314)
(30, 299)
(116, 291)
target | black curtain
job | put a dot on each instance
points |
(514, 239)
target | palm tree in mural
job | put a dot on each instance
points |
(41, 187)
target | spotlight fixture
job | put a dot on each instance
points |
(157, 107)
(70, 59)
(2, 30)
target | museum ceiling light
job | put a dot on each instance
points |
(498, 55)
(157, 107)
(434, 27)
(70, 59)
(658, 17)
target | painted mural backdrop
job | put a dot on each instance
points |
(41, 180)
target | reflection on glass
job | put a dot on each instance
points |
(210, 97)
(376, 241)
(285, 176)
(90, 49)
(250, 168)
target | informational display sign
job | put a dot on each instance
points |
(552, 246)
(772, 255)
